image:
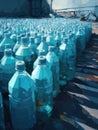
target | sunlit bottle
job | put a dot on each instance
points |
(63, 61)
(22, 99)
(8, 68)
(18, 43)
(25, 53)
(53, 61)
(43, 45)
(41, 53)
(42, 77)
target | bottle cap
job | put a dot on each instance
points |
(42, 53)
(44, 38)
(24, 40)
(20, 65)
(31, 39)
(42, 60)
(8, 51)
(51, 48)
(8, 46)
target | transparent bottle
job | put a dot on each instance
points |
(41, 53)
(7, 40)
(8, 68)
(63, 62)
(22, 99)
(33, 46)
(42, 77)
(53, 61)
(25, 53)
(18, 43)
(43, 45)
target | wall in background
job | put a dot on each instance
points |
(60, 4)
(24, 8)
(14, 8)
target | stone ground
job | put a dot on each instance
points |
(76, 107)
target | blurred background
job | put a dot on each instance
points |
(40, 8)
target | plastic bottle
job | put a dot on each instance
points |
(51, 40)
(8, 68)
(25, 53)
(53, 61)
(41, 53)
(7, 40)
(2, 123)
(22, 99)
(18, 43)
(37, 39)
(42, 77)
(14, 37)
(43, 45)
(33, 46)
(63, 62)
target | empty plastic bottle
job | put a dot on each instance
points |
(41, 53)
(2, 123)
(7, 40)
(14, 37)
(37, 39)
(18, 43)
(42, 77)
(53, 61)
(8, 68)
(22, 99)
(25, 53)
(43, 45)
(63, 61)
(51, 40)
(33, 46)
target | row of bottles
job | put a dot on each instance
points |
(24, 89)
(33, 63)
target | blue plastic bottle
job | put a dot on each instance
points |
(53, 61)
(42, 77)
(63, 62)
(43, 45)
(37, 39)
(7, 40)
(41, 53)
(25, 53)
(18, 43)
(14, 37)
(22, 99)
(8, 68)
(33, 46)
